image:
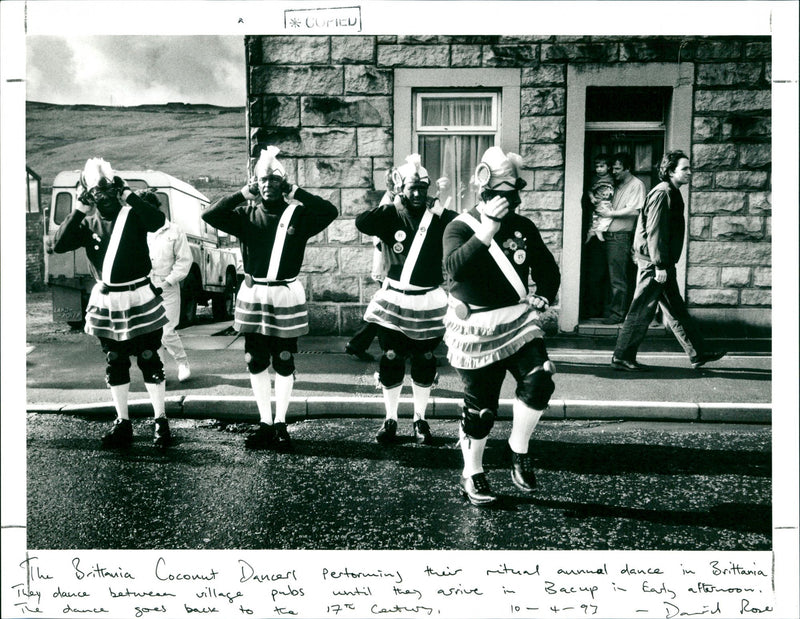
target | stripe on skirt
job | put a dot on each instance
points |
(270, 323)
(269, 320)
(279, 311)
(125, 324)
(419, 317)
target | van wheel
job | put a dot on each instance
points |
(189, 295)
(223, 304)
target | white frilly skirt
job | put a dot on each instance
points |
(486, 337)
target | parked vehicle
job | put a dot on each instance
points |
(213, 275)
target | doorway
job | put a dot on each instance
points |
(645, 148)
(594, 105)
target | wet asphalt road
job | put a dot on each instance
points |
(604, 485)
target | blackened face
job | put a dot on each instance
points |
(415, 195)
(512, 196)
(106, 201)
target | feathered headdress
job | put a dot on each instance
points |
(268, 162)
(499, 171)
(411, 170)
(95, 173)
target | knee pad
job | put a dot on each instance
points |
(476, 424)
(256, 363)
(283, 362)
(151, 366)
(117, 369)
(391, 369)
(536, 388)
(423, 368)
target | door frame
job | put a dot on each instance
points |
(677, 135)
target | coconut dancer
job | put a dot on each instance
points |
(493, 320)
(125, 310)
(273, 220)
(409, 308)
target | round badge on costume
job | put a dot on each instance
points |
(400, 235)
(519, 256)
(513, 246)
(461, 310)
(517, 234)
(398, 248)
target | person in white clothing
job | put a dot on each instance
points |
(171, 258)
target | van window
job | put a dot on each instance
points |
(63, 207)
(164, 199)
(136, 184)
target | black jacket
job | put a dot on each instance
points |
(474, 275)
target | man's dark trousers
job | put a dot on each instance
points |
(364, 336)
(648, 296)
(617, 246)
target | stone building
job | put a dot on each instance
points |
(344, 108)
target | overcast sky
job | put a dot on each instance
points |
(134, 70)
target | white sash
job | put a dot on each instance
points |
(113, 244)
(499, 257)
(416, 246)
(280, 239)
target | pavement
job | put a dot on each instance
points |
(66, 376)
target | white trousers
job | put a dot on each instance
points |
(171, 340)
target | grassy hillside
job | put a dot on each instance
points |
(190, 142)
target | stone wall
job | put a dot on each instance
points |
(729, 259)
(327, 103)
(34, 253)
(328, 106)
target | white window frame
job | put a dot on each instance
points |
(506, 82)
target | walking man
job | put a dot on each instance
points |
(493, 320)
(410, 306)
(171, 258)
(124, 311)
(658, 245)
(271, 308)
(628, 199)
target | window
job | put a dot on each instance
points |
(450, 117)
(63, 207)
(137, 184)
(34, 182)
(164, 200)
(452, 130)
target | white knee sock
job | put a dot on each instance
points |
(157, 392)
(421, 397)
(472, 450)
(119, 394)
(283, 391)
(391, 401)
(524, 421)
(261, 390)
